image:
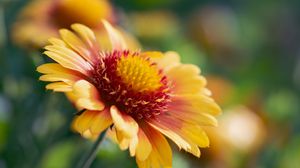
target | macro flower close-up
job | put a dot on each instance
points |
(149, 84)
(139, 97)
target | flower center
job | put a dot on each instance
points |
(133, 83)
(138, 73)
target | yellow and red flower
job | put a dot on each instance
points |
(41, 19)
(141, 97)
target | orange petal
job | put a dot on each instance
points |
(116, 39)
(87, 96)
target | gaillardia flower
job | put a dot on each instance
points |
(140, 97)
(41, 19)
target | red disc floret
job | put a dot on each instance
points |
(113, 91)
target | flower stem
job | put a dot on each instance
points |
(86, 161)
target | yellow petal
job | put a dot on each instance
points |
(185, 79)
(194, 150)
(83, 122)
(59, 87)
(85, 89)
(164, 61)
(56, 73)
(124, 124)
(196, 135)
(86, 34)
(67, 61)
(191, 134)
(89, 104)
(186, 112)
(52, 68)
(123, 141)
(87, 134)
(153, 55)
(161, 154)
(202, 119)
(77, 44)
(144, 147)
(71, 39)
(100, 122)
(198, 102)
(70, 54)
(133, 143)
(116, 39)
(170, 133)
(56, 41)
(90, 124)
(111, 134)
(72, 97)
(67, 78)
(87, 96)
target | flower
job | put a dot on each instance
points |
(141, 97)
(41, 19)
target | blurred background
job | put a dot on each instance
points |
(248, 50)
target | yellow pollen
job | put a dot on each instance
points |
(137, 72)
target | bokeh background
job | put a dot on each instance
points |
(248, 50)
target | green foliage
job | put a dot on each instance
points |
(60, 155)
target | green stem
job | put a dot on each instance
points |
(87, 160)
